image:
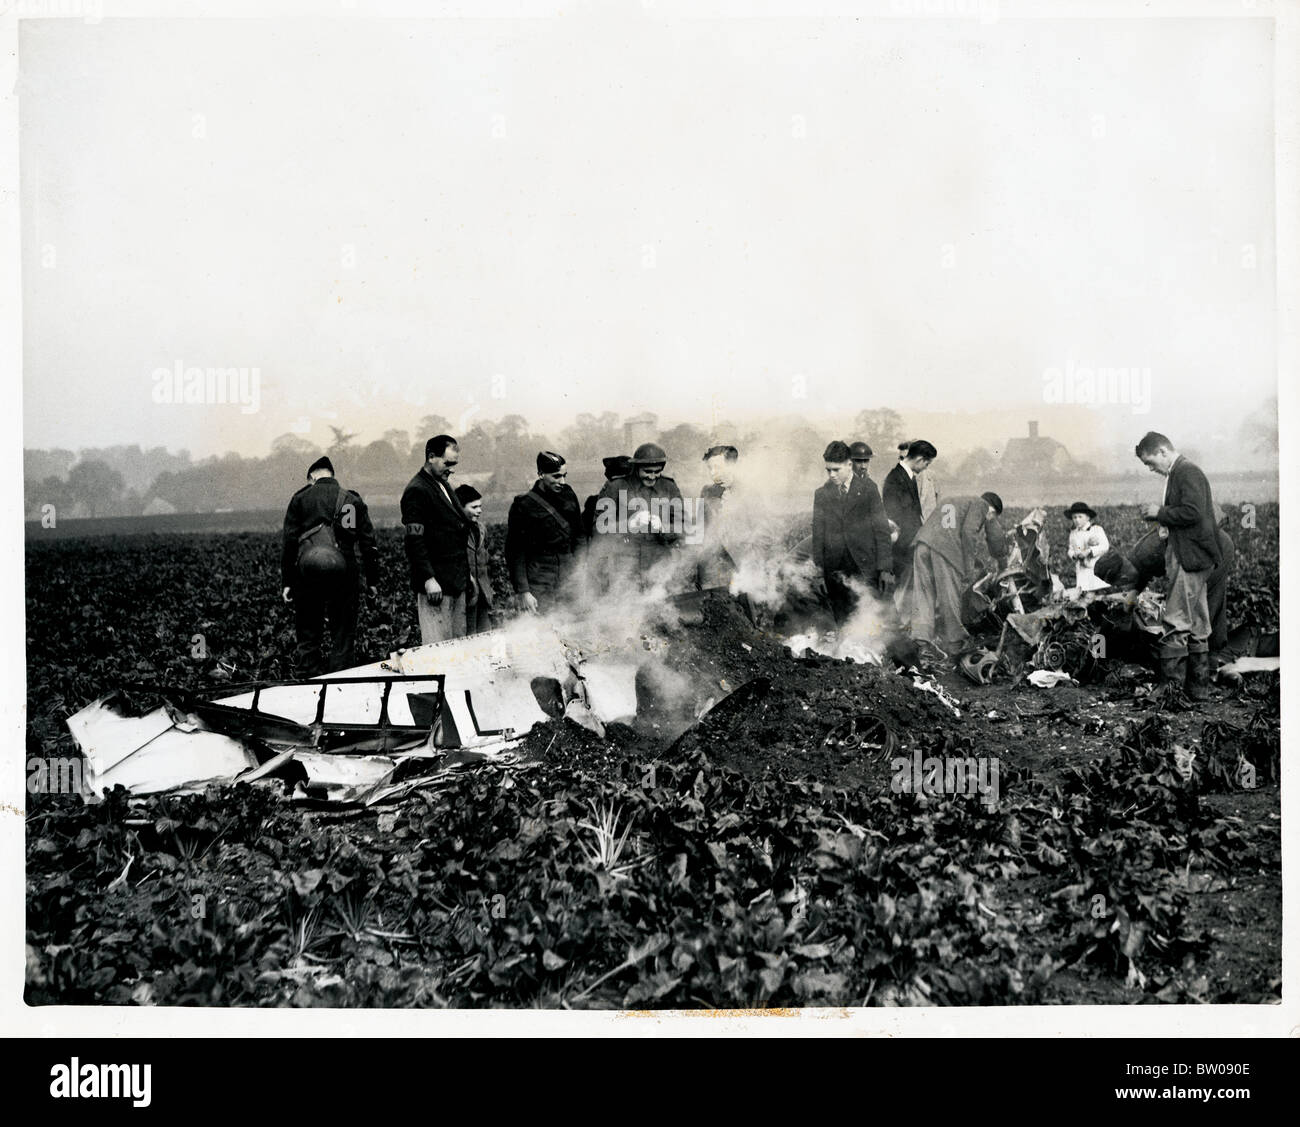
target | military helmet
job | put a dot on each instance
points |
(649, 454)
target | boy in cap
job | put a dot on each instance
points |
(324, 526)
(543, 532)
(478, 599)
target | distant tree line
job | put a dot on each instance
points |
(496, 455)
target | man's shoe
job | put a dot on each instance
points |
(1198, 675)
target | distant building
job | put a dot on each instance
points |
(1035, 455)
(640, 429)
(157, 507)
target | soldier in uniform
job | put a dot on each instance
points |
(543, 532)
(323, 516)
(620, 465)
(640, 519)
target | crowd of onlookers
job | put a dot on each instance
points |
(896, 549)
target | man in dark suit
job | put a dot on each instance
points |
(323, 506)
(850, 534)
(543, 532)
(902, 500)
(1192, 552)
(437, 532)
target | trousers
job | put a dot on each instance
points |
(446, 620)
(1186, 620)
(314, 604)
(936, 599)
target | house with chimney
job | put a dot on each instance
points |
(1036, 455)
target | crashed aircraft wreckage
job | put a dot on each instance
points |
(359, 735)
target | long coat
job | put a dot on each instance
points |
(1188, 513)
(857, 521)
(437, 530)
(540, 544)
(974, 536)
(902, 501)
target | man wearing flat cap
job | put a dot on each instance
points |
(543, 532)
(640, 518)
(948, 558)
(324, 526)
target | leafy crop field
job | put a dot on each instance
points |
(761, 861)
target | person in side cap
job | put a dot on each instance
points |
(543, 532)
(618, 465)
(1088, 543)
(948, 559)
(324, 527)
(640, 519)
(479, 612)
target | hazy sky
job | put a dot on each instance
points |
(705, 218)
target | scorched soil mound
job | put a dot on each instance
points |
(778, 720)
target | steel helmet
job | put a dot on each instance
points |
(649, 454)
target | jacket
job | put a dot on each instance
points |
(902, 501)
(964, 546)
(856, 521)
(621, 503)
(1188, 513)
(928, 493)
(437, 531)
(1146, 560)
(540, 545)
(315, 504)
(480, 589)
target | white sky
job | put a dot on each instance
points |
(970, 204)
